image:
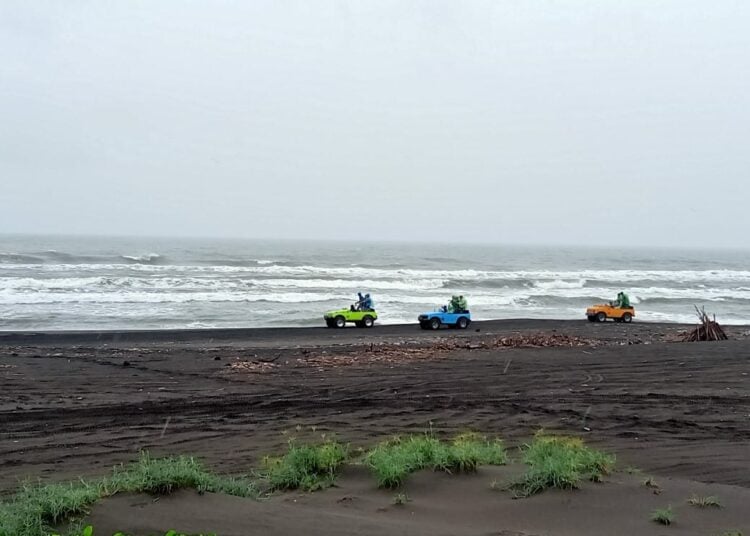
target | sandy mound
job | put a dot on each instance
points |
(439, 504)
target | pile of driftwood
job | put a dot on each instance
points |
(707, 330)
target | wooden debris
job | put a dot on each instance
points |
(541, 340)
(397, 353)
(257, 367)
(707, 330)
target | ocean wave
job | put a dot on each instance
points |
(114, 283)
(61, 257)
(131, 283)
(18, 258)
(149, 258)
(147, 289)
(69, 260)
(559, 284)
(237, 263)
(499, 283)
(365, 285)
(464, 277)
(549, 291)
(54, 258)
(94, 298)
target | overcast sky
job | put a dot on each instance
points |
(560, 122)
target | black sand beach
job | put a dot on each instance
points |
(77, 403)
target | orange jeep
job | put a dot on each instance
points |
(603, 311)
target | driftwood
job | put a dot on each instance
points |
(399, 353)
(707, 330)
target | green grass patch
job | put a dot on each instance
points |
(705, 502)
(559, 462)
(35, 509)
(161, 476)
(468, 451)
(663, 516)
(307, 467)
(393, 460)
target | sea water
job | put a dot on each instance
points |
(74, 283)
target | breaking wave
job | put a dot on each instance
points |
(150, 258)
(178, 283)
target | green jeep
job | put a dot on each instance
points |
(361, 319)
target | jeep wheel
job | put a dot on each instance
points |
(435, 323)
(591, 318)
(627, 318)
(601, 317)
(329, 323)
(462, 323)
(340, 321)
(368, 321)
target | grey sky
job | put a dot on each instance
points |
(578, 122)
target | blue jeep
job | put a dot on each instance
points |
(435, 319)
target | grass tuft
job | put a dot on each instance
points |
(559, 462)
(663, 516)
(156, 476)
(35, 509)
(468, 451)
(705, 502)
(392, 461)
(307, 467)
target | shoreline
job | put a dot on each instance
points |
(319, 332)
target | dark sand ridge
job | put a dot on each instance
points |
(75, 404)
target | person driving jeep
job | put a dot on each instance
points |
(622, 301)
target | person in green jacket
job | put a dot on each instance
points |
(622, 301)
